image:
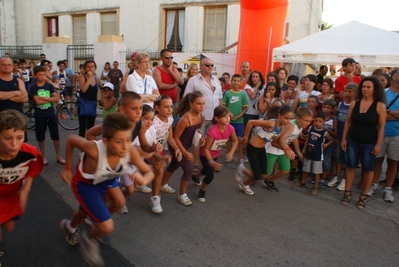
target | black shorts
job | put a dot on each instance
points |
(41, 125)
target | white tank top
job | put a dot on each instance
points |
(103, 171)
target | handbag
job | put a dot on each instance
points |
(87, 108)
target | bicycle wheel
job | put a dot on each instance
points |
(67, 115)
(29, 111)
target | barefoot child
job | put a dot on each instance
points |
(265, 131)
(20, 163)
(216, 138)
(190, 121)
(100, 164)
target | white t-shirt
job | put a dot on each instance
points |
(150, 136)
(141, 86)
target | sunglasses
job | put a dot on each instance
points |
(168, 57)
(209, 65)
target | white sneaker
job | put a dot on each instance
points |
(167, 189)
(143, 188)
(341, 186)
(183, 199)
(156, 204)
(123, 210)
(247, 190)
(239, 175)
(334, 181)
(387, 195)
(372, 190)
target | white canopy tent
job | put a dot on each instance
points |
(368, 45)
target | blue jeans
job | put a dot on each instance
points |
(363, 151)
(327, 155)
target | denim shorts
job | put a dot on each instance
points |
(354, 151)
(340, 155)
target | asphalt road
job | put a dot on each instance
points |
(288, 228)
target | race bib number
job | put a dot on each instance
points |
(218, 144)
(12, 175)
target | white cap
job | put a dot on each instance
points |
(109, 85)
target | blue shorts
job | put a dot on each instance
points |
(363, 151)
(90, 197)
(239, 128)
(41, 125)
(340, 155)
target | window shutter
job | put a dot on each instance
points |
(214, 28)
(79, 30)
(108, 24)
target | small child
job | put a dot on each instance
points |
(100, 164)
(56, 82)
(330, 126)
(24, 73)
(20, 163)
(236, 101)
(313, 151)
(216, 138)
(108, 101)
(340, 156)
(44, 95)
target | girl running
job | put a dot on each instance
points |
(216, 138)
(265, 131)
(190, 121)
(280, 133)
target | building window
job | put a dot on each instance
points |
(175, 21)
(108, 24)
(52, 27)
(79, 30)
(214, 28)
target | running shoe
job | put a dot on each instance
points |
(71, 238)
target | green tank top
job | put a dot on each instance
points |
(112, 109)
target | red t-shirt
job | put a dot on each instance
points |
(167, 78)
(28, 162)
(341, 81)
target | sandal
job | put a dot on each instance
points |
(361, 202)
(196, 169)
(347, 197)
(314, 191)
(300, 185)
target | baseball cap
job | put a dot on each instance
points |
(109, 85)
(133, 55)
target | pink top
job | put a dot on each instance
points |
(219, 139)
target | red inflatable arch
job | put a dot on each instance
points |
(262, 26)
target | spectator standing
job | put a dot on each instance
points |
(115, 76)
(348, 66)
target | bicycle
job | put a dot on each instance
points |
(29, 112)
(67, 113)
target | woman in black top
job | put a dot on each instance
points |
(89, 84)
(363, 135)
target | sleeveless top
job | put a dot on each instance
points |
(91, 92)
(9, 86)
(168, 79)
(111, 110)
(162, 130)
(25, 76)
(268, 136)
(365, 123)
(103, 171)
(186, 138)
(329, 123)
(343, 109)
(63, 79)
(294, 134)
(314, 150)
